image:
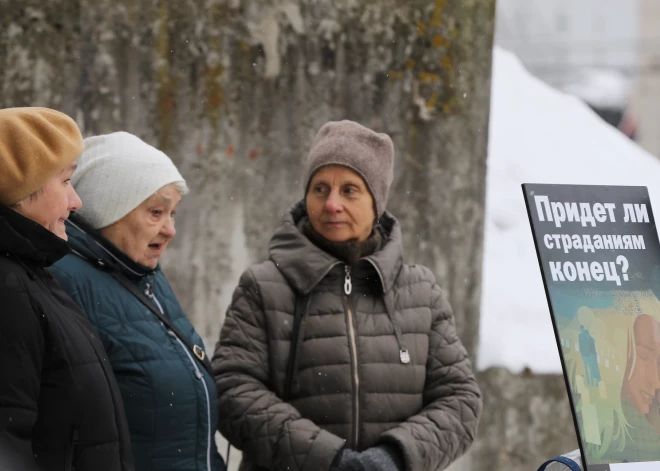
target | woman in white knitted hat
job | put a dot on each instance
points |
(131, 192)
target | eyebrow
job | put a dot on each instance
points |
(647, 348)
(163, 200)
(71, 167)
(344, 183)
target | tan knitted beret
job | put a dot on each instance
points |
(35, 145)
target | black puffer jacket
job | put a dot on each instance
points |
(60, 407)
(379, 360)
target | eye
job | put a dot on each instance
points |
(319, 189)
(67, 181)
(350, 190)
(156, 212)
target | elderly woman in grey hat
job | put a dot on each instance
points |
(335, 354)
(131, 191)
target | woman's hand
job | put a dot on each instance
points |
(385, 457)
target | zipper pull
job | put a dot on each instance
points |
(404, 356)
(348, 286)
(149, 290)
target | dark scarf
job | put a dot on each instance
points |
(348, 252)
(28, 240)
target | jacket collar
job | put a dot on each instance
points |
(88, 243)
(304, 264)
(28, 240)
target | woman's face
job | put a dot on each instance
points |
(52, 204)
(641, 386)
(144, 233)
(339, 205)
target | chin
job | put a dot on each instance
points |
(151, 263)
(335, 236)
(62, 235)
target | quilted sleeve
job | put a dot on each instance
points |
(22, 346)
(447, 424)
(253, 418)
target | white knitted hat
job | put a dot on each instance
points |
(116, 173)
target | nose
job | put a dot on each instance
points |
(168, 229)
(75, 203)
(332, 203)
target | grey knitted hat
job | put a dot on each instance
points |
(366, 152)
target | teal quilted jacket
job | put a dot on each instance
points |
(170, 399)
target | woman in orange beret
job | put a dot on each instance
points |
(60, 407)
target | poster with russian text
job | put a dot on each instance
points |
(600, 259)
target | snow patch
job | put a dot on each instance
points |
(538, 135)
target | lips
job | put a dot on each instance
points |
(646, 396)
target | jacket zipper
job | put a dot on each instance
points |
(198, 374)
(348, 288)
(71, 450)
(149, 291)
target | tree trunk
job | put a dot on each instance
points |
(234, 91)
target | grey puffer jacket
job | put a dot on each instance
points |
(378, 361)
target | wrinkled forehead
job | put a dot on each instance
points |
(169, 195)
(70, 168)
(337, 174)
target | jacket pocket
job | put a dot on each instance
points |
(70, 452)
